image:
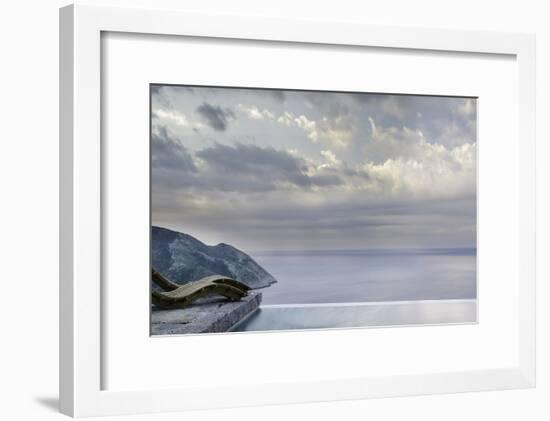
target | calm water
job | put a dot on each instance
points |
(369, 275)
(366, 288)
(360, 315)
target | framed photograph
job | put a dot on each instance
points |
(287, 209)
(291, 210)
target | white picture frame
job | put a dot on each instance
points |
(82, 389)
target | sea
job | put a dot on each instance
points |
(319, 289)
(344, 276)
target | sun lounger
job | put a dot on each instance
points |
(179, 296)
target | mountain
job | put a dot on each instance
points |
(182, 258)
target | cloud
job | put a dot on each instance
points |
(215, 116)
(306, 219)
(286, 118)
(337, 131)
(278, 94)
(253, 168)
(467, 107)
(255, 113)
(177, 118)
(314, 169)
(170, 160)
(416, 166)
(330, 157)
(449, 121)
(399, 163)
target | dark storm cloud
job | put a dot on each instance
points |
(251, 159)
(444, 120)
(215, 116)
(171, 162)
(314, 169)
(278, 95)
(331, 104)
(264, 168)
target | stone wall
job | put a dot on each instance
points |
(207, 316)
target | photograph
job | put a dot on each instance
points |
(286, 209)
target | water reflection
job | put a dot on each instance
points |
(360, 315)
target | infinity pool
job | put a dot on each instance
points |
(290, 317)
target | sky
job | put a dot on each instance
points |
(292, 170)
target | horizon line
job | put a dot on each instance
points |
(365, 249)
